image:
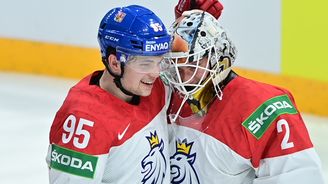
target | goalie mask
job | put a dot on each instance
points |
(201, 57)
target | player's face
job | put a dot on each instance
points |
(140, 74)
(194, 73)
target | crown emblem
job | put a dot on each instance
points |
(153, 139)
(183, 146)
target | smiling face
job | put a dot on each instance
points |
(140, 74)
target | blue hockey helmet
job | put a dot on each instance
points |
(132, 30)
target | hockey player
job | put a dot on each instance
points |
(231, 129)
(112, 125)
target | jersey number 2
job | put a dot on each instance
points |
(69, 128)
(284, 144)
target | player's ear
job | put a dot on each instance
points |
(114, 64)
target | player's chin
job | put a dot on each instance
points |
(144, 93)
(145, 90)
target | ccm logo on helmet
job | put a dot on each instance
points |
(157, 46)
(111, 38)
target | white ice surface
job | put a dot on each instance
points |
(28, 104)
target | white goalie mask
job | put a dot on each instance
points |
(201, 52)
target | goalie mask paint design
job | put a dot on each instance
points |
(154, 164)
(201, 57)
(201, 53)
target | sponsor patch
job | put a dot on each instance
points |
(73, 162)
(260, 120)
(157, 46)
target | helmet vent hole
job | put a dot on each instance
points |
(136, 44)
(189, 24)
(137, 47)
(203, 33)
(103, 26)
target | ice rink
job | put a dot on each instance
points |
(28, 104)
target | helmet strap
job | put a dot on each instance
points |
(117, 78)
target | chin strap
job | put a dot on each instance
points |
(117, 78)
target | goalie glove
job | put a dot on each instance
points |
(213, 7)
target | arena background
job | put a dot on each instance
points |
(279, 42)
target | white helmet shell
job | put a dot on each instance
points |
(198, 35)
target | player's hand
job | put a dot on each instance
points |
(213, 7)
